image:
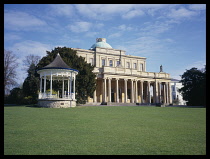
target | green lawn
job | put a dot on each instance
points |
(104, 130)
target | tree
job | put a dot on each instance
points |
(85, 80)
(31, 59)
(31, 84)
(10, 65)
(194, 86)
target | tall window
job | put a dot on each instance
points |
(91, 61)
(103, 62)
(134, 65)
(118, 63)
(110, 63)
(141, 67)
(128, 64)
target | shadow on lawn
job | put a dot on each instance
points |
(20, 105)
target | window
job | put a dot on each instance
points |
(128, 64)
(118, 63)
(91, 61)
(103, 62)
(134, 65)
(110, 63)
(141, 67)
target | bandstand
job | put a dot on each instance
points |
(60, 71)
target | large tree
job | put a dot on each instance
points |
(194, 86)
(31, 83)
(10, 66)
(85, 80)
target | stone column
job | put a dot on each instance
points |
(132, 92)
(104, 95)
(170, 95)
(94, 93)
(141, 90)
(156, 92)
(117, 91)
(94, 96)
(148, 92)
(136, 91)
(160, 94)
(109, 97)
(126, 95)
(164, 93)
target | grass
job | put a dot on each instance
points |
(104, 130)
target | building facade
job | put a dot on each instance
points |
(176, 95)
(123, 78)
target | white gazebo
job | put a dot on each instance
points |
(57, 70)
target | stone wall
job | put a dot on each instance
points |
(56, 103)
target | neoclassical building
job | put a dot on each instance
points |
(123, 78)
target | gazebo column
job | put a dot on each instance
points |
(63, 89)
(51, 84)
(74, 87)
(40, 84)
(44, 85)
(70, 86)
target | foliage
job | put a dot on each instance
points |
(85, 80)
(10, 65)
(194, 86)
(31, 84)
(15, 97)
(53, 91)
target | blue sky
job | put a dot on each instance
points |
(172, 35)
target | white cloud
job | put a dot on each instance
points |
(156, 28)
(91, 34)
(115, 35)
(181, 13)
(23, 49)
(81, 26)
(11, 37)
(27, 47)
(61, 9)
(197, 6)
(102, 11)
(132, 14)
(123, 27)
(16, 20)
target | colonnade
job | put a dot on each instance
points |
(137, 89)
(71, 82)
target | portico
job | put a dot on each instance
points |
(125, 90)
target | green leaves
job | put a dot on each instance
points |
(194, 86)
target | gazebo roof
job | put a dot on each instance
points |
(58, 63)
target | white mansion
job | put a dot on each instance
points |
(123, 78)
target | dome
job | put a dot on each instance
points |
(100, 42)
